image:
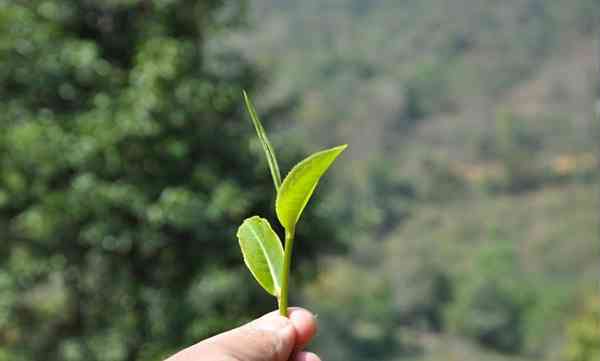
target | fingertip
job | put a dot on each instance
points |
(306, 356)
(305, 324)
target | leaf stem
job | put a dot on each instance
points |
(282, 300)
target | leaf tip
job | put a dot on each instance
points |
(342, 147)
(339, 149)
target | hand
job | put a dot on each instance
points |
(269, 338)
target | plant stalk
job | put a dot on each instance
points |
(282, 300)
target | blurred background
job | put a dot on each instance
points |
(461, 224)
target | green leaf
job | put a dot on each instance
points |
(263, 253)
(299, 185)
(267, 147)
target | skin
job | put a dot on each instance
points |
(269, 338)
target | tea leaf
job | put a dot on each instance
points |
(263, 253)
(299, 185)
(267, 147)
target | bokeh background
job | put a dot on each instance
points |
(461, 224)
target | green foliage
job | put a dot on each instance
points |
(515, 145)
(260, 245)
(263, 253)
(445, 265)
(441, 183)
(438, 172)
(264, 140)
(492, 301)
(583, 332)
(357, 322)
(125, 171)
(389, 198)
(126, 166)
(299, 185)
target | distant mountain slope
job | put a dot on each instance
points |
(390, 66)
(471, 134)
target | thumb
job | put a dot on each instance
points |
(269, 338)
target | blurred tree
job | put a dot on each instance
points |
(583, 333)
(441, 182)
(426, 292)
(390, 196)
(492, 301)
(515, 145)
(357, 314)
(126, 165)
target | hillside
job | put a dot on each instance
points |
(473, 186)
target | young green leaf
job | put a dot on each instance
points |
(263, 253)
(267, 147)
(299, 185)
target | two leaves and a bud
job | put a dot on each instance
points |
(266, 258)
